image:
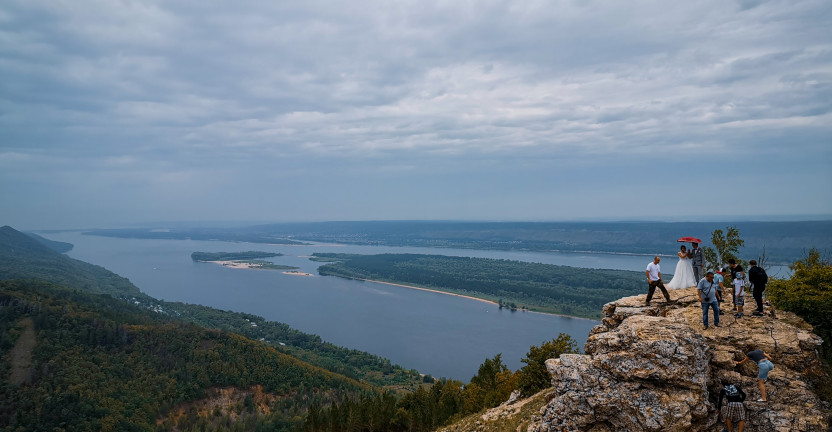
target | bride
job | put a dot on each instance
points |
(683, 276)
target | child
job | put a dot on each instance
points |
(739, 286)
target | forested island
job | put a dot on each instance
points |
(248, 260)
(546, 288)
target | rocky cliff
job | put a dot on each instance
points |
(654, 368)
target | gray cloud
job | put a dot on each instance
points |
(148, 95)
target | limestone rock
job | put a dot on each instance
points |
(654, 368)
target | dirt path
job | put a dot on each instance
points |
(21, 355)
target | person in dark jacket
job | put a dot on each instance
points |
(734, 411)
(758, 278)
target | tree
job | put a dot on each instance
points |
(534, 376)
(808, 293)
(726, 246)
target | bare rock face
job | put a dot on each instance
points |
(655, 368)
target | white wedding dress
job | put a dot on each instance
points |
(683, 276)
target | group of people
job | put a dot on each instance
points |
(690, 271)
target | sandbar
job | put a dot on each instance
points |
(471, 298)
(297, 273)
(236, 264)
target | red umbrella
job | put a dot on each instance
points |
(689, 240)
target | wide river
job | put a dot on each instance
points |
(436, 334)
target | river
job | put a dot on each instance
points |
(437, 334)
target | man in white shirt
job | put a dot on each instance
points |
(654, 279)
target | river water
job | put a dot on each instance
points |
(437, 334)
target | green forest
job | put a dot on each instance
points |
(444, 402)
(100, 363)
(540, 287)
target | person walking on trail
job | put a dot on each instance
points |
(758, 278)
(764, 366)
(706, 289)
(734, 410)
(654, 279)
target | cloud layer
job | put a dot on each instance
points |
(440, 109)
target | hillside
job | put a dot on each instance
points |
(22, 256)
(653, 368)
(100, 363)
(83, 349)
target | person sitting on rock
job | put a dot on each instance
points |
(734, 411)
(764, 366)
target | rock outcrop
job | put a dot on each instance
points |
(654, 368)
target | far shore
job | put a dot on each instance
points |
(467, 297)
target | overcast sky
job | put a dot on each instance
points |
(121, 112)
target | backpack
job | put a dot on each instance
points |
(731, 390)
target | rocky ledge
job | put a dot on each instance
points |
(655, 368)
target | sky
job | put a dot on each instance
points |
(115, 113)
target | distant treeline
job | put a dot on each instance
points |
(232, 256)
(784, 242)
(542, 287)
(218, 234)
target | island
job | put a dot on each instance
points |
(514, 285)
(241, 260)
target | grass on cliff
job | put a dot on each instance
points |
(511, 418)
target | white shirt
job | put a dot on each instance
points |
(654, 270)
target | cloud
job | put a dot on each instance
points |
(146, 89)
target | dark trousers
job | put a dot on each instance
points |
(758, 297)
(697, 273)
(652, 289)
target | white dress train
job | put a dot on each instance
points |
(683, 276)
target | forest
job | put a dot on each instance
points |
(103, 364)
(539, 287)
(444, 402)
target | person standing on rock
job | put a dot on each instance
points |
(706, 289)
(697, 260)
(654, 279)
(764, 366)
(758, 278)
(734, 411)
(738, 276)
(720, 280)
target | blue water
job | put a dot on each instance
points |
(434, 333)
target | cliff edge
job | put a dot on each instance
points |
(654, 368)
